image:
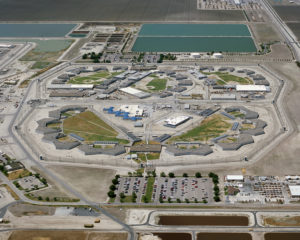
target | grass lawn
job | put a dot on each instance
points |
(149, 189)
(237, 114)
(157, 84)
(225, 78)
(91, 128)
(40, 65)
(153, 156)
(95, 78)
(209, 128)
(54, 125)
(127, 199)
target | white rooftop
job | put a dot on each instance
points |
(235, 177)
(134, 110)
(252, 88)
(176, 120)
(295, 190)
(135, 92)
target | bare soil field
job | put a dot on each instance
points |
(113, 10)
(65, 235)
(264, 32)
(291, 221)
(288, 13)
(23, 209)
(92, 182)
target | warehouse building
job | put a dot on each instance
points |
(134, 92)
(71, 86)
(176, 121)
(252, 88)
(295, 191)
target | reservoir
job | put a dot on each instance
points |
(194, 38)
(224, 236)
(35, 30)
(204, 220)
(282, 236)
(194, 30)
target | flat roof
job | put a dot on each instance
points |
(295, 190)
(135, 92)
(235, 177)
(176, 120)
(252, 88)
(71, 86)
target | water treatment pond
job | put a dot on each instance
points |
(173, 236)
(281, 236)
(224, 236)
(34, 30)
(203, 220)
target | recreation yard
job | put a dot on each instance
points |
(90, 127)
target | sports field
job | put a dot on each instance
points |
(209, 128)
(194, 38)
(90, 127)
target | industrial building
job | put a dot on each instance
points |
(225, 96)
(176, 121)
(295, 191)
(134, 92)
(252, 88)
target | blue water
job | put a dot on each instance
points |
(195, 30)
(35, 30)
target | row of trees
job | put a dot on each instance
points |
(113, 187)
(172, 175)
(215, 179)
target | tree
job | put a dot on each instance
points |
(130, 174)
(171, 175)
(47, 199)
(117, 176)
(217, 199)
(55, 199)
(85, 56)
(145, 199)
(178, 200)
(111, 194)
(134, 197)
(161, 199)
(187, 201)
(204, 201)
(112, 187)
(154, 173)
(196, 200)
(115, 181)
(162, 174)
(122, 195)
(185, 175)
(40, 198)
(169, 200)
(198, 175)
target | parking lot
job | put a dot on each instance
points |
(168, 189)
(190, 188)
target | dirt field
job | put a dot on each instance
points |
(287, 221)
(288, 13)
(65, 235)
(295, 27)
(264, 32)
(92, 182)
(22, 209)
(113, 10)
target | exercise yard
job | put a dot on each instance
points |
(95, 78)
(90, 127)
(194, 38)
(157, 84)
(209, 128)
(226, 78)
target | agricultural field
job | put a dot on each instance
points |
(95, 78)
(90, 127)
(209, 128)
(64, 235)
(288, 13)
(157, 84)
(226, 78)
(295, 27)
(114, 11)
